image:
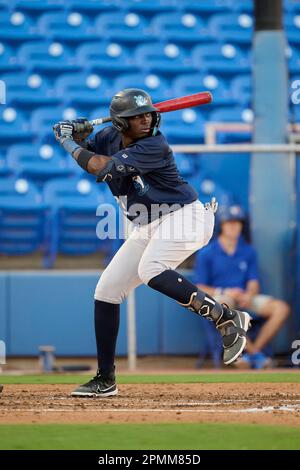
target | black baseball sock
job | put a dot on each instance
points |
(107, 319)
(176, 286)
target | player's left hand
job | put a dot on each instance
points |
(82, 128)
(63, 130)
(234, 292)
(245, 300)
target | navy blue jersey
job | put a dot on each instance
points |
(150, 176)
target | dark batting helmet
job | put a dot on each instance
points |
(132, 102)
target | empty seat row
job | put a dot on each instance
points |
(144, 7)
(35, 8)
(128, 28)
(112, 59)
(184, 126)
(71, 216)
(89, 90)
(41, 163)
(61, 219)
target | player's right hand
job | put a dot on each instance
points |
(82, 128)
(62, 130)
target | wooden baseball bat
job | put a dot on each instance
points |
(189, 101)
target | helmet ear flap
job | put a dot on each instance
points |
(121, 124)
(156, 118)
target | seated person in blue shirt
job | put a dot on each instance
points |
(227, 270)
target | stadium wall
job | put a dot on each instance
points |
(39, 308)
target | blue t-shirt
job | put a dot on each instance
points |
(153, 178)
(214, 267)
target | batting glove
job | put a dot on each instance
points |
(82, 128)
(63, 130)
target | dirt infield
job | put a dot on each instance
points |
(155, 403)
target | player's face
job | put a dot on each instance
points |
(139, 126)
(232, 229)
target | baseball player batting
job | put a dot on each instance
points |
(168, 223)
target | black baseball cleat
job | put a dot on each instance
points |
(99, 386)
(233, 332)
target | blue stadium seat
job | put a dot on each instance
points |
(241, 87)
(82, 89)
(96, 114)
(124, 28)
(209, 188)
(232, 28)
(294, 61)
(34, 7)
(99, 113)
(220, 59)
(240, 137)
(4, 170)
(183, 28)
(43, 119)
(70, 27)
(28, 90)
(8, 61)
(186, 164)
(204, 7)
(73, 194)
(235, 115)
(292, 6)
(185, 126)
(292, 28)
(92, 7)
(13, 126)
(37, 163)
(22, 217)
(240, 5)
(3, 5)
(148, 8)
(47, 57)
(111, 58)
(166, 60)
(72, 221)
(16, 27)
(189, 84)
(156, 86)
(230, 170)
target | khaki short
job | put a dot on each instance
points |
(258, 302)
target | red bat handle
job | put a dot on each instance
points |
(197, 99)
